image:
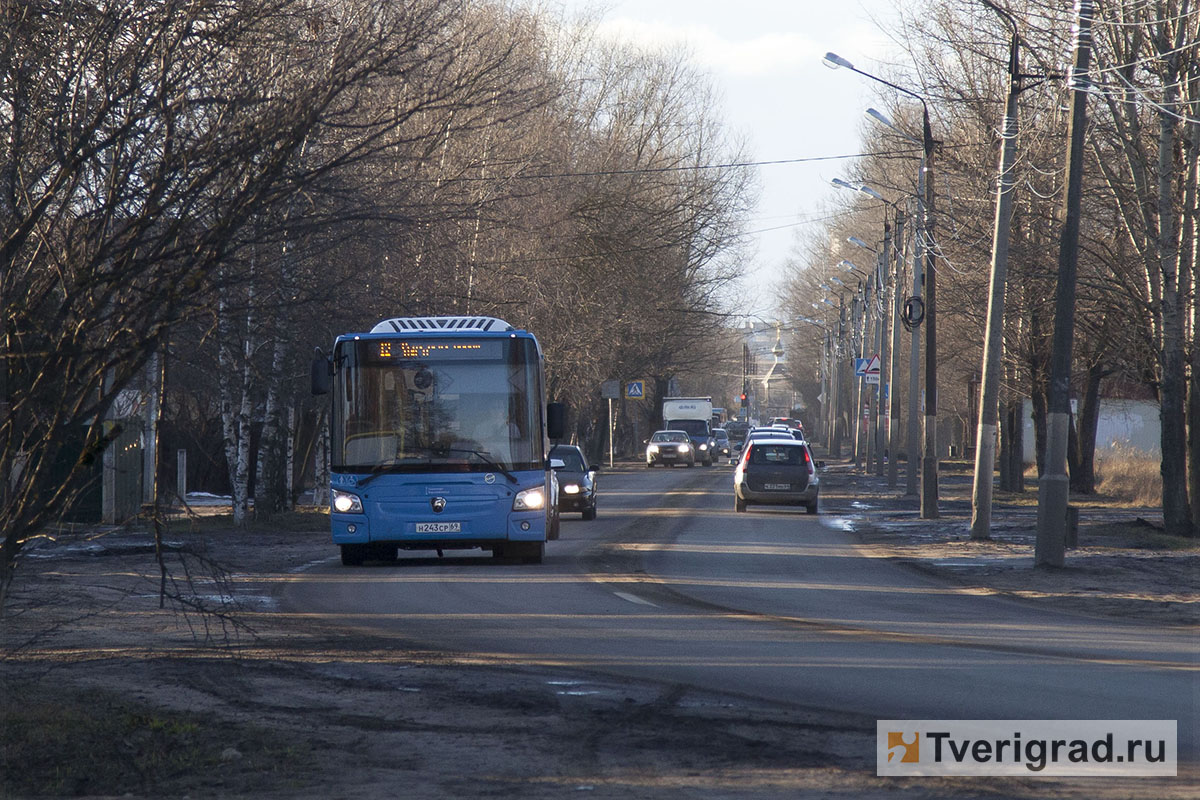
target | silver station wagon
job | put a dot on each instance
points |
(776, 471)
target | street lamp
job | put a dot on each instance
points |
(884, 119)
(929, 462)
(854, 240)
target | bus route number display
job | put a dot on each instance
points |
(408, 350)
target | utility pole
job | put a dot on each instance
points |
(929, 463)
(1054, 485)
(839, 355)
(856, 386)
(913, 446)
(894, 359)
(993, 347)
(881, 345)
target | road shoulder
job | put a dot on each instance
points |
(1124, 566)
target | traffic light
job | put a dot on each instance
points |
(743, 399)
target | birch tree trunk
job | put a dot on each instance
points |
(241, 471)
(236, 384)
(321, 467)
(268, 493)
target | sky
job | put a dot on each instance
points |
(764, 57)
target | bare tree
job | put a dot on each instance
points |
(140, 142)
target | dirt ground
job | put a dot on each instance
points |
(110, 693)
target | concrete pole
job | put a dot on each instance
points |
(993, 347)
(881, 346)
(894, 360)
(1054, 485)
(862, 331)
(827, 388)
(929, 461)
(913, 445)
(845, 349)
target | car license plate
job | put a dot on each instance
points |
(777, 486)
(439, 527)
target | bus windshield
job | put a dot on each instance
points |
(436, 405)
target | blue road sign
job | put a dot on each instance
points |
(635, 390)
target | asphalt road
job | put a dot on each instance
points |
(670, 584)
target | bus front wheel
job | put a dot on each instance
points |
(353, 555)
(527, 552)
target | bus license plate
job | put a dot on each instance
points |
(439, 527)
(779, 486)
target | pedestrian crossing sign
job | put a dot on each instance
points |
(635, 390)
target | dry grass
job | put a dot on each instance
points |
(1129, 476)
(1125, 478)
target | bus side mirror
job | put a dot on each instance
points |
(556, 420)
(322, 372)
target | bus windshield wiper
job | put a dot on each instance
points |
(486, 458)
(379, 469)
(382, 469)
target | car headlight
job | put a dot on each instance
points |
(704, 447)
(571, 488)
(530, 499)
(683, 448)
(652, 448)
(346, 503)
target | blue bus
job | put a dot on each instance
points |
(439, 439)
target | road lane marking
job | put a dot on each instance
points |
(633, 598)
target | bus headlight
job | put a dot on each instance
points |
(346, 503)
(530, 499)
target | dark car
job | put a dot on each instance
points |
(737, 431)
(576, 481)
(722, 442)
(790, 422)
(670, 448)
(776, 471)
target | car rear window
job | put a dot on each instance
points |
(774, 454)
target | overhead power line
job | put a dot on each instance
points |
(688, 168)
